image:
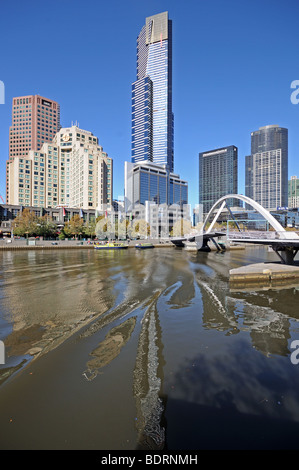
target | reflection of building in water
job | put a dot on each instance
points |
(110, 348)
(147, 383)
(215, 313)
(268, 326)
(47, 299)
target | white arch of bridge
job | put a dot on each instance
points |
(283, 234)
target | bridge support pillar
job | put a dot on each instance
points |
(287, 255)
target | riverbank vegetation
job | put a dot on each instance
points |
(27, 225)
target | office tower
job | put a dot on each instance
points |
(146, 181)
(72, 171)
(248, 177)
(35, 120)
(152, 116)
(218, 175)
(266, 169)
(293, 192)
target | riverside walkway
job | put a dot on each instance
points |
(21, 244)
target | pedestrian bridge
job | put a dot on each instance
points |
(283, 242)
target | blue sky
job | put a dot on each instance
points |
(233, 64)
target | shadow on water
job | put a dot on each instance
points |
(195, 426)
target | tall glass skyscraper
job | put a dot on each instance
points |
(266, 169)
(152, 116)
(293, 199)
(218, 176)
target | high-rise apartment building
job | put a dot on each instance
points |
(72, 171)
(218, 175)
(35, 120)
(86, 170)
(266, 169)
(152, 116)
(293, 192)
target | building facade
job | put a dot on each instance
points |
(72, 171)
(146, 181)
(35, 120)
(86, 170)
(152, 116)
(266, 169)
(59, 215)
(218, 175)
(293, 192)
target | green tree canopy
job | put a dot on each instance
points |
(25, 224)
(74, 227)
(46, 227)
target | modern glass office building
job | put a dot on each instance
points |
(218, 176)
(293, 199)
(146, 181)
(152, 116)
(266, 169)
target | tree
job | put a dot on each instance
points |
(140, 228)
(89, 228)
(25, 224)
(46, 227)
(74, 226)
(104, 228)
(181, 227)
(122, 228)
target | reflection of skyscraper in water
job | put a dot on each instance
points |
(147, 383)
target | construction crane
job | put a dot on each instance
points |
(2, 199)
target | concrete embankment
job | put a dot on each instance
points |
(17, 245)
(264, 273)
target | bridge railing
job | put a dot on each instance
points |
(259, 235)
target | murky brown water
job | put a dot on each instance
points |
(145, 349)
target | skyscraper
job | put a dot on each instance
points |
(266, 169)
(218, 175)
(152, 116)
(147, 181)
(35, 120)
(293, 190)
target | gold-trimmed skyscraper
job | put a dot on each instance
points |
(152, 115)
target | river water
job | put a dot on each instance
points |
(149, 349)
